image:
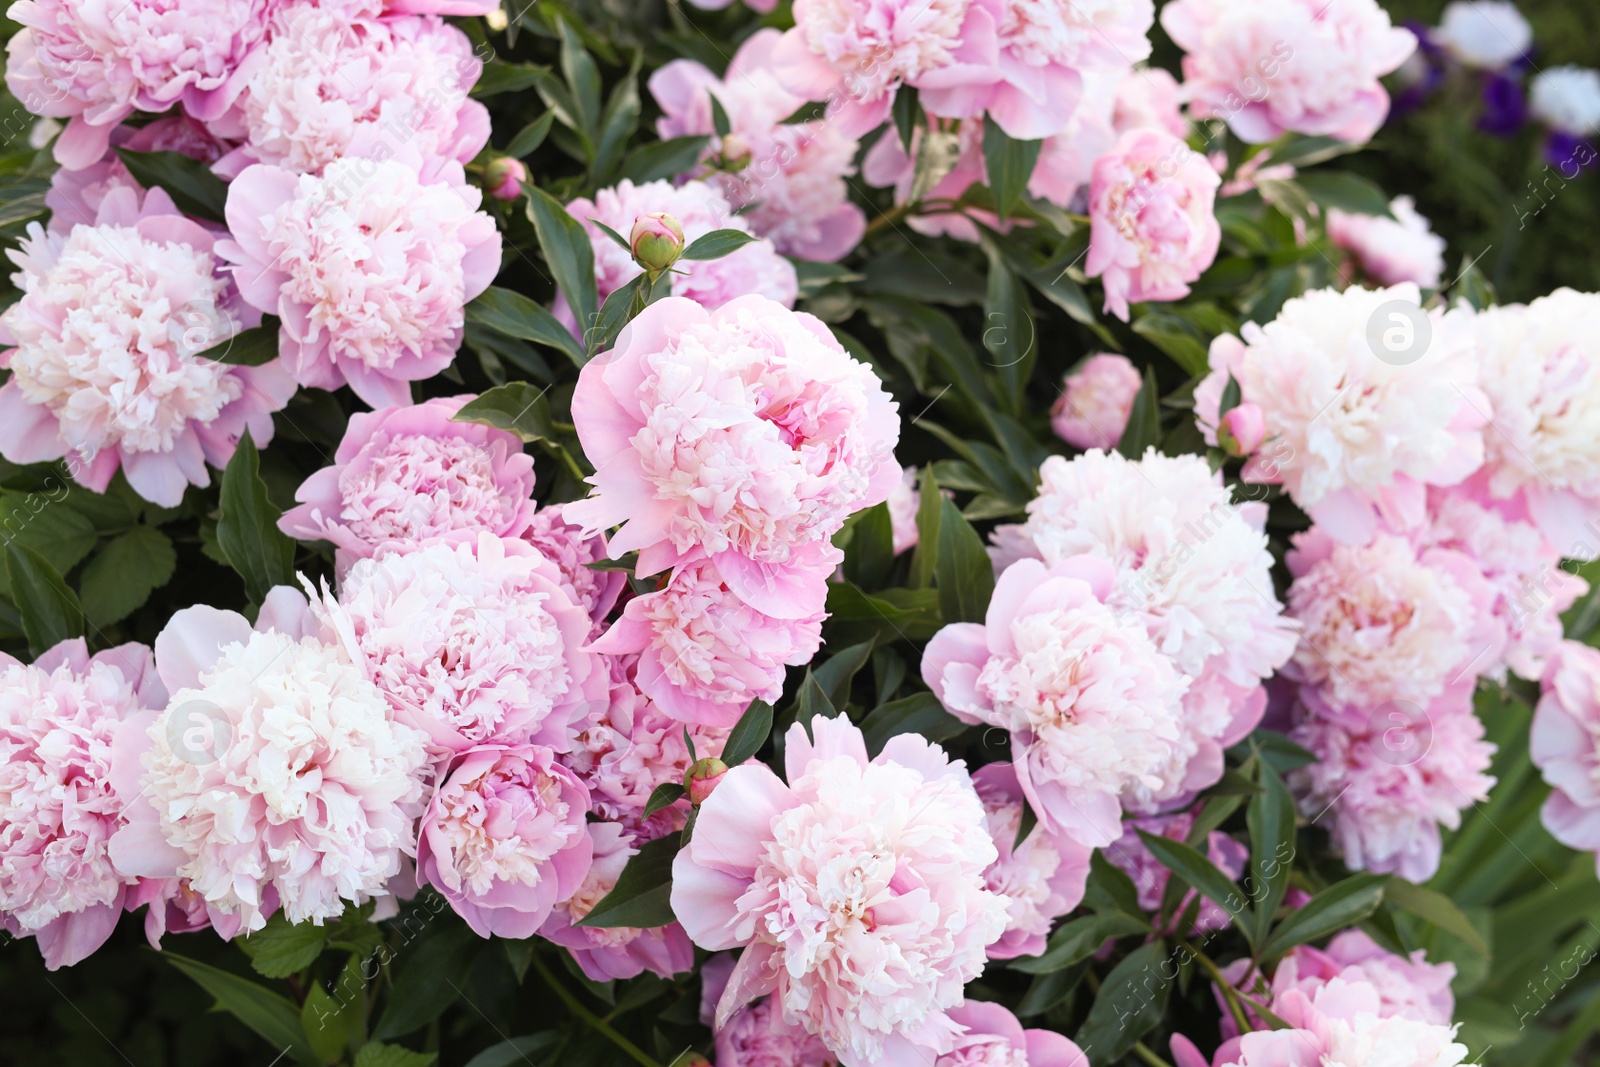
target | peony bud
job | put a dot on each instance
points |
(1241, 430)
(503, 178)
(702, 778)
(657, 241)
(736, 153)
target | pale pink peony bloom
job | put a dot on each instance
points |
(1153, 224)
(1564, 744)
(1391, 251)
(1389, 775)
(473, 642)
(97, 63)
(995, 1038)
(75, 196)
(1042, 878)
(465, 8)
(1092, 705)
(795, 179)
(1541, 364)
(757, 1035)
(905, 499)
(1389, 621)
(746, 435)
(411, 474)
(108, 335)
(369, 266)
(504, 837)
(58, 810)
(699, 208)
(1095, 401)
(1149, 96)
(611, 952)
(277, 775)
(854, 868)
(564, 543)
(704, 653)
(1150, 876)
(1302, 66)
(336, 80)
(1367, 401)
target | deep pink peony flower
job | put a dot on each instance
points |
(1302, 66)
(1391, 251)
(368, 265)
(856, 890)
(1370, 401)
(1092, 705)
(704, 653)
(277, 775)
(504, 837)
(106, 367)
(472, 642)
(58, 810)
(411, 474)
(1043, 878)
(757, 1035)
(95, 64)
(337, 80)
(1564, 744)
(995, 1038)
(1095, 401)
(794, 182)
(746, 435)
(1150, 876)
(1153, 225)
(611, 952)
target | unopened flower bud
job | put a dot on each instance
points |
(736, 153)
(1241, 430)
(503, 178)
(656, 240)
(702, 778)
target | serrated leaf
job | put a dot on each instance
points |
(275, 1018)
(247, 528)
(516, 407)
(124, 573)
(717, 244)
(643, 893)
(1334, 908)
(49, 608)
(190, 183)
(1009, 164)
(515, 315)
(748, 734)
(280, 948)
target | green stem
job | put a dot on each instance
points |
(889, 218)
(595, 1023)
(1144, 1053)
(1229, 994)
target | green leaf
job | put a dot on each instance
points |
(1287, 196)
(887, 615)
(964, 574)
(50, 610)
(1473, 288)
(836, 673)
(1009, 333)
(429, 978)
(515, 315)
(247, 348)
(1009, 163)
(748, 734)
(812, 702)
(1197, 870)
(664, 796)
(870, 552)
(583, 78)
(1345, 192)
(515, 1052)
(1230, 395)
(190, 183)
(63, 535)
(919, 713)
(331, 1020)
(719, 117)
(664, 159)
(1271, 818)
(247, 529)
(907, 111)
(622, 306)
(373, 1054)
(617, 125)
(502, 77)
(280, 948)
(568, 252)
(531, 136)
(275, 1018)
(1178, 338)
(717, 244)
(643, 894)
(1110, 889)
(1131, 1001)
(515, 406)
(1334, 908)
(1436, 908)
(1080, 939)
(1144, 420)
(124, 573)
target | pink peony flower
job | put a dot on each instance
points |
(794, 182)
(58, 811)
(1370, 400)
(611, 952)
(904, 501)
(503, 178)
(75, 195)
(1150, 876)
(108, 337)
(504, 837)
(1153, 226)
(1095, 402)
(565, 544)
(466, 8)
(1388, 621)
(1302, 66)
(1043, 878)
(278, 774)
(994, 1038)
(1241, 430)
(1391, 251)
(854, 869)
(704, 653)
(336, 80)
(1541, 364)
(1092, 705)
(96, 64)
(757, 1035)
(1388, 776)
(474, 643)
(699, 209)
(1564, 744)
(1149, 96)
(746, 435)
(368, 265)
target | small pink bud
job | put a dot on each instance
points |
(736, 153)
(503, 178)
(656, 240)
(702, 778)
(1241, 430)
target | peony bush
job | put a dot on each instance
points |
(828, 533)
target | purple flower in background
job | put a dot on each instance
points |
(1504, 107)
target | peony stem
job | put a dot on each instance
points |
(594, 1021)
(1145, 1053)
